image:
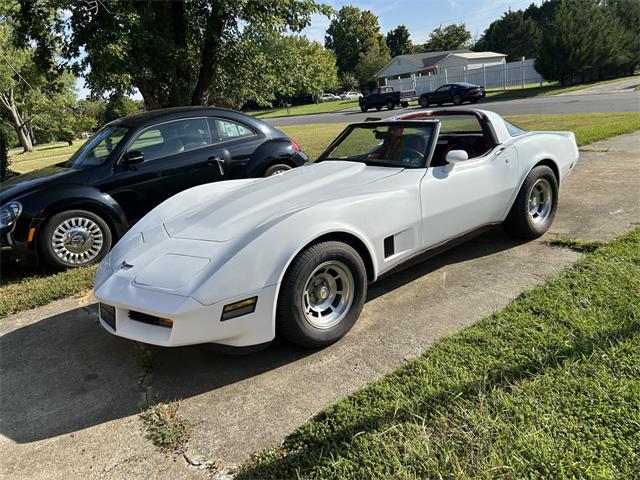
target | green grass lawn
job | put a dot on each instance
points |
(22, 288)
(547, 388)
(326, 107)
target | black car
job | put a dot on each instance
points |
(456, 93)
(70, 214)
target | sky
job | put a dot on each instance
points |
(419, 16)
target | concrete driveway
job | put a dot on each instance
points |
(70, 393)
(628, 85)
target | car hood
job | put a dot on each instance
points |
(27, 182)
(254, 206)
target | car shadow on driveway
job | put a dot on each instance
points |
(64, 373)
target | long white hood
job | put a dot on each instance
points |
(242, 210)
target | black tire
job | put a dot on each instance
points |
(521, 222)
(291, 320)
(457, 100)
(424, 102)
(390, 105)
(276, 168)
(81, 224)
(363, 107)
(404, 104)
(378, 107)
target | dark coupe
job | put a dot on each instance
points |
(456, 93)
(70, 214)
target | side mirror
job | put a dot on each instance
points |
(132, 157)
(456, 156)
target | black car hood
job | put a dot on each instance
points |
(27, 182)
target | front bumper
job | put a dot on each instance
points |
(193, 322)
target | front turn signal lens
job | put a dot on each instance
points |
(237, 309)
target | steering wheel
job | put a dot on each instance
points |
(410, 155)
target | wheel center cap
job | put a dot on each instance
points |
(323, 293)
(78, 240)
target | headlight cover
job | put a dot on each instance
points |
(9, 213)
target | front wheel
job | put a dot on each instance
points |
(457, 100)
(322, 295)
(363, 107)
(424, 102)
(74, 238)
(390, 105)
(404, 104)
(535, 206)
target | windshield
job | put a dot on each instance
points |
(392, 145)
(98, 148)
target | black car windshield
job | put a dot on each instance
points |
(98, 148)
(387, 145)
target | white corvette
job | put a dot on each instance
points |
(235, 263)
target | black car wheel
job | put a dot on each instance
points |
(457, 99)
(424, 102)
(74, 238)
(322, 295)
(535, 206)
(390, 105)
(276, 168)
(378, 107)
(363, 107)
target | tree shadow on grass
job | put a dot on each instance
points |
(302, 452)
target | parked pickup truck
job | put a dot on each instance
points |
(387, 97)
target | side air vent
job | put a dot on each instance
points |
(389, 248)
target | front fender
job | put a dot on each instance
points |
(67, 197)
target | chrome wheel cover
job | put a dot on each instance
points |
(540, 201)
(279, 170)
(328, 294)
(77, 240)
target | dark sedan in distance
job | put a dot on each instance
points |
(456, 93)
(70, 214)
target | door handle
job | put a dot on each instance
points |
(219, 162)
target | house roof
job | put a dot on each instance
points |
(430, 59)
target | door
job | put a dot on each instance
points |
(441, 95)
(234, 142)
(177, 155)
(457, 199)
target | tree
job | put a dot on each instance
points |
(627, 13)
(175, 53)
(580, 43)
(513, 34)
(15, 69)
(370, 62)
(399, 41)
(348, 82)
(451, 37)
(119, 105)
(351, 33)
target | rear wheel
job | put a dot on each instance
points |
(424, 102)
(276, 168)
(363, 107)
(404, 104)
(74, 238)
(322, 295)
(390, 105)
(535, 206)
(457, 100)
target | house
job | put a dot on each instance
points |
(432, 63)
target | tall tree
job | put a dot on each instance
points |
(399, 41)
(451, 37)
(627, 13)
(15, 74)
(513, 34)
(175, 53)
(351, 33)
(580, 43)
(369, 63)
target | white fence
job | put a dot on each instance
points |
(505, 75)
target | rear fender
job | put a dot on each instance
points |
(277, 150)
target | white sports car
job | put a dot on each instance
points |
(237, 262)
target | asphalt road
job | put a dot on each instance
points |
(608, 102)
(71, 392)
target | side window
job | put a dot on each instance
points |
(172, 137)
(228, 129)
(513, 130)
